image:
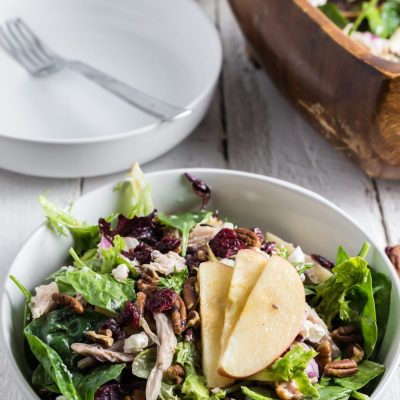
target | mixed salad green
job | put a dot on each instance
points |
(120, 320)
(373, 23)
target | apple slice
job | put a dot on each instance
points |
(214, 281)
(270, 321)
(248, 267)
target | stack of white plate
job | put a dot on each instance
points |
(64, 125)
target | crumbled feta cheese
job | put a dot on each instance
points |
(136, 343)
(130, 243)
(43, 302)
(166, 263)
(120, 273)
(297, 256)
(318, 3)
(312, 332)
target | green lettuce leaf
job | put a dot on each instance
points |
(101, 290)
(85, 236)
(53, 365)
(87, 383)
(144, 362)
(175, 281)
(168, 392)
(341, 255)
(291, 367)
(112, 256)
(184, 223)
(194, 387)
(258, 393)
(348, 294)
(134, 194)
(28, 296)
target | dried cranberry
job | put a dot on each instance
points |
(226, 243)
(258, 232)
(192, 261)
(129, 315)
(143, 253)
(162, 300)
(168, 243)
(200, 188)
(324, 262)
(114, 391)
(116, 329)
(268, 247)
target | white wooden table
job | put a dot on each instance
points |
(249, 127)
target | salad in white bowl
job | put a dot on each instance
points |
(193, 306)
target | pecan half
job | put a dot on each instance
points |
(393, 252)
(355, 352)
(248, 237)
(288, 391)
(62, 299)
(136, 395)
(141, 302)
(324, 356)
(347, 334)
(104, 337)
(193, 319)
(190, 293)
(178, 316)
(341, 368)
(145, 287)
(176, 373)
(149, 276)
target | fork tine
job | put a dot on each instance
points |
(8, 45)
(23, 44)
(43, 50)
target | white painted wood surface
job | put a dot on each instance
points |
(248, 127)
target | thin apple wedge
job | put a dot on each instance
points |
(270, 321)
(248, 267)
(214, 281)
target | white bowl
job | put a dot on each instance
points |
(290, 211)
(64, 125)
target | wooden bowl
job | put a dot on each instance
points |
(351, 96)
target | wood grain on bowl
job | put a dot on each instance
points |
(351, 96)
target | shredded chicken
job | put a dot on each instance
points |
(150, 333)
(202, 234)
(43, 302)
(101, 354)
(166, 263)
(165, 354)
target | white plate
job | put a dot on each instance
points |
(291, 211)
(64, 125)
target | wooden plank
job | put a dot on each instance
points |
(266, 135)
(20, 214)
(203, 148)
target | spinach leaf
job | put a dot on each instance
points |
(341, 255)
(60, 328)
(348, 293)
(87, 383)
(53, 365)
(359, 396)
(42, 379)
(258, 393)
(390, 16)
(367, 371)
(85, 236)
(144, 362)
(101, 290)
(175, 281)
(333, 13)
(184, 223)
(134, 194)
(333, 393)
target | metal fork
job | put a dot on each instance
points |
(29, 51)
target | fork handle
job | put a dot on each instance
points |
(135, 97)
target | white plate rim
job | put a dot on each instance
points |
(389, 373)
